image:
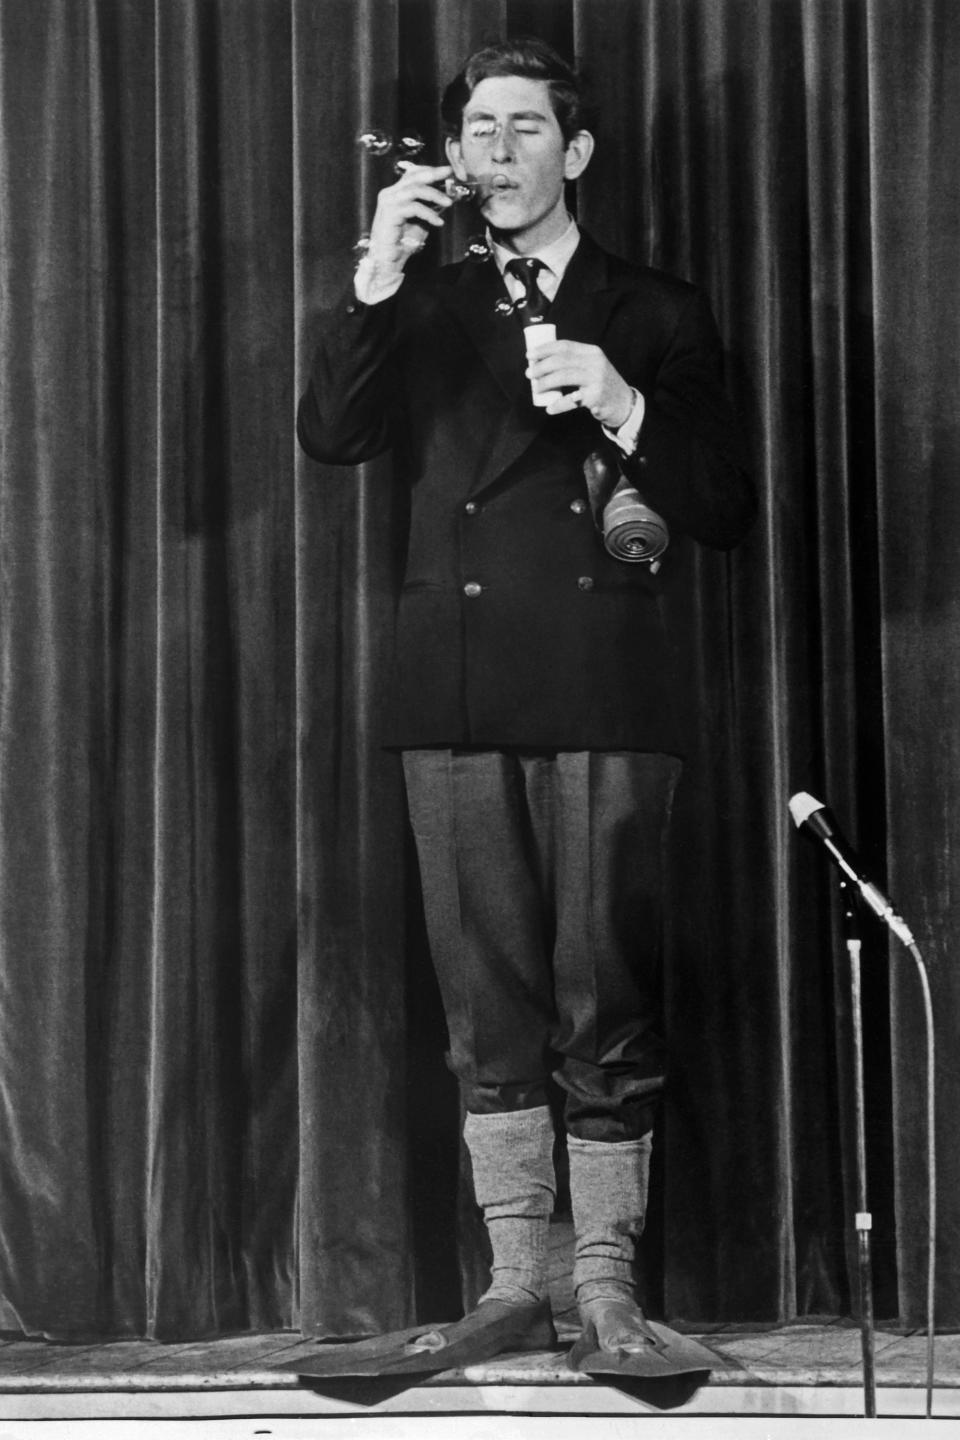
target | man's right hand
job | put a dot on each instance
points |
(405, 213)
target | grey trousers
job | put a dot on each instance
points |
(542, 878)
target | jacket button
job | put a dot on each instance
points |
(472, 588)
(352, 308)
(578, 506)
(641, 459)
(585, 582)
(471, 507)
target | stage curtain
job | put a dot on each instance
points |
(223, 1101)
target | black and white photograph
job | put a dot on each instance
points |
(479, 719)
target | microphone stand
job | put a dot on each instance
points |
(808, 812)
(864, 1220)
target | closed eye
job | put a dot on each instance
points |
(484, 127)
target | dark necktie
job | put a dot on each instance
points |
(533, 305)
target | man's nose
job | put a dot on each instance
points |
(503, 144)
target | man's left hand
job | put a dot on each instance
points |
(589, 380)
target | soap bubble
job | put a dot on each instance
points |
(477, 249)
(375, 142)
(457, 189)
(410, 144)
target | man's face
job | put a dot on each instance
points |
(510, 141)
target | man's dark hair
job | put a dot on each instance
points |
(530, 58)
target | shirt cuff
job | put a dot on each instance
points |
(629, 433)
(373, 283)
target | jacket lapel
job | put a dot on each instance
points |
(473, 298)
(585, 299)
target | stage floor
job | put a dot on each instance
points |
(809, 1371)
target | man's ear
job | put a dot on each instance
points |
(455, 155)
(577, 156)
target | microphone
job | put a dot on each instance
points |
(815, 819)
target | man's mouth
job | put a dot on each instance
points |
(496, 184)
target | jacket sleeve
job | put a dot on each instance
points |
(345, 415)
(690, 464)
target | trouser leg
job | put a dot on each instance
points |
(611, 824)
(485, 913)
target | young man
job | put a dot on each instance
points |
(537, 705)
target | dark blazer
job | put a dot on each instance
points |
(515, 628)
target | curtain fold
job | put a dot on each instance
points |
(354, 1227)
(915, 205)
(223, 1099)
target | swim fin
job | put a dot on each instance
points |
(493, 1328)
(658, 1352)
